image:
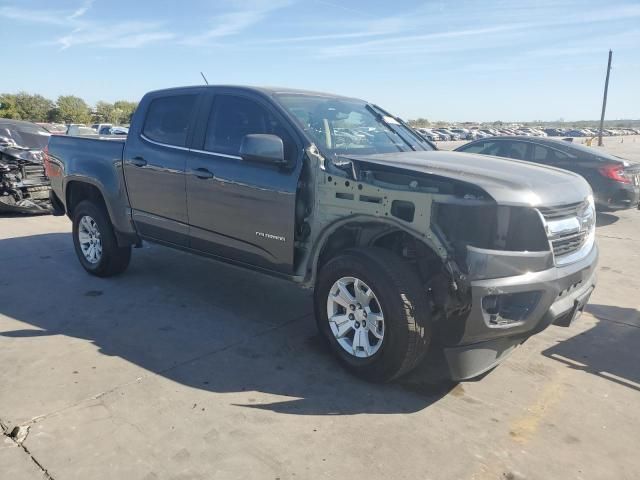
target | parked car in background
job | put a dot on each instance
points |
(429, 134)
(55, 128)
(464, 134)
(489, 132)
(24, 187)
(554, 132)
(481, 134)
(102, 128)
(78, 130)
(118, 131)
(615, 182)
(529, 132)
(576, 133)
(447, 134)
(407, 248)
(454, 135)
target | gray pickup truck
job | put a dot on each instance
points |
(405, 246)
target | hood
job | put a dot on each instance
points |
(26, 155)
(507, 181)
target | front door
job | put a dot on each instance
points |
(154, 168)
(241, 210)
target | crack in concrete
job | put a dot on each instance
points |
(618, 322)
(18, 435)
(613, 237)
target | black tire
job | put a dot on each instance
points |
(114, 259)
(407, 320)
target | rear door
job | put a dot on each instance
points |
(241, 210)
(154, 165)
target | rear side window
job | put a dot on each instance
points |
(474, 148)
(234, 117)
(484, 148)
(515, 150)
(168, 119)
(548, 155)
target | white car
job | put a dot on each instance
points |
(80, 130)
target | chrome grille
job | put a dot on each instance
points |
(561, 211)
(568, 243)
(564, 228)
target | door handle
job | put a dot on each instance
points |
(138, 161)
(202, 173)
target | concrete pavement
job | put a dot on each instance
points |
(183, 368)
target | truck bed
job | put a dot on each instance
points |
(96, 161)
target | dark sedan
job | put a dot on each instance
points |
(615, 182)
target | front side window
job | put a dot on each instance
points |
(234, 117)
(168, 119)
(344, 126)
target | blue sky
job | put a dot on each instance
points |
(449, 60)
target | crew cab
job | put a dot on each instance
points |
(406, 247)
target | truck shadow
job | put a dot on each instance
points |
(609, 350)
(201, 324)
(605, 218)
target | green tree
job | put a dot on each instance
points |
(71, 109)
(419, 122)
(104, 113)
(33, 108)
(123, 111)
(8, 108)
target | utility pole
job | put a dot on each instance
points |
(604, 99)
(207, 81)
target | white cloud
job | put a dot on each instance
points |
(51, 17)
(122, 35)
(246, 14)
(80, 11)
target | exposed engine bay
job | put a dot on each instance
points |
(24, 186)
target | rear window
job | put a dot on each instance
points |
(168, 119)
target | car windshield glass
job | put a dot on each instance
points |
(342, 127)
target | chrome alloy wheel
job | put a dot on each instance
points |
(90, 241)
(355, 317)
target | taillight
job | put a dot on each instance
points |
(615, 173)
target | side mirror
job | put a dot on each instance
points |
(262, 148)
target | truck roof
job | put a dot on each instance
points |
(270, 91)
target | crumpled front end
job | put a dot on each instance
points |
(24, 186)
(525, 268)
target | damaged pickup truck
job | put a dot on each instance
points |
(24, 187)
(406, 247)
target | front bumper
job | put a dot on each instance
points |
(619, 197)
(477, 343)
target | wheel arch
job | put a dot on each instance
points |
(362, 231)
(79, 189)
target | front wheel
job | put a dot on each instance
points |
(370, 307)
(95, 242)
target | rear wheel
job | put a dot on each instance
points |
(370, 307)
(95, 242)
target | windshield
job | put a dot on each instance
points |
(342, 127)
